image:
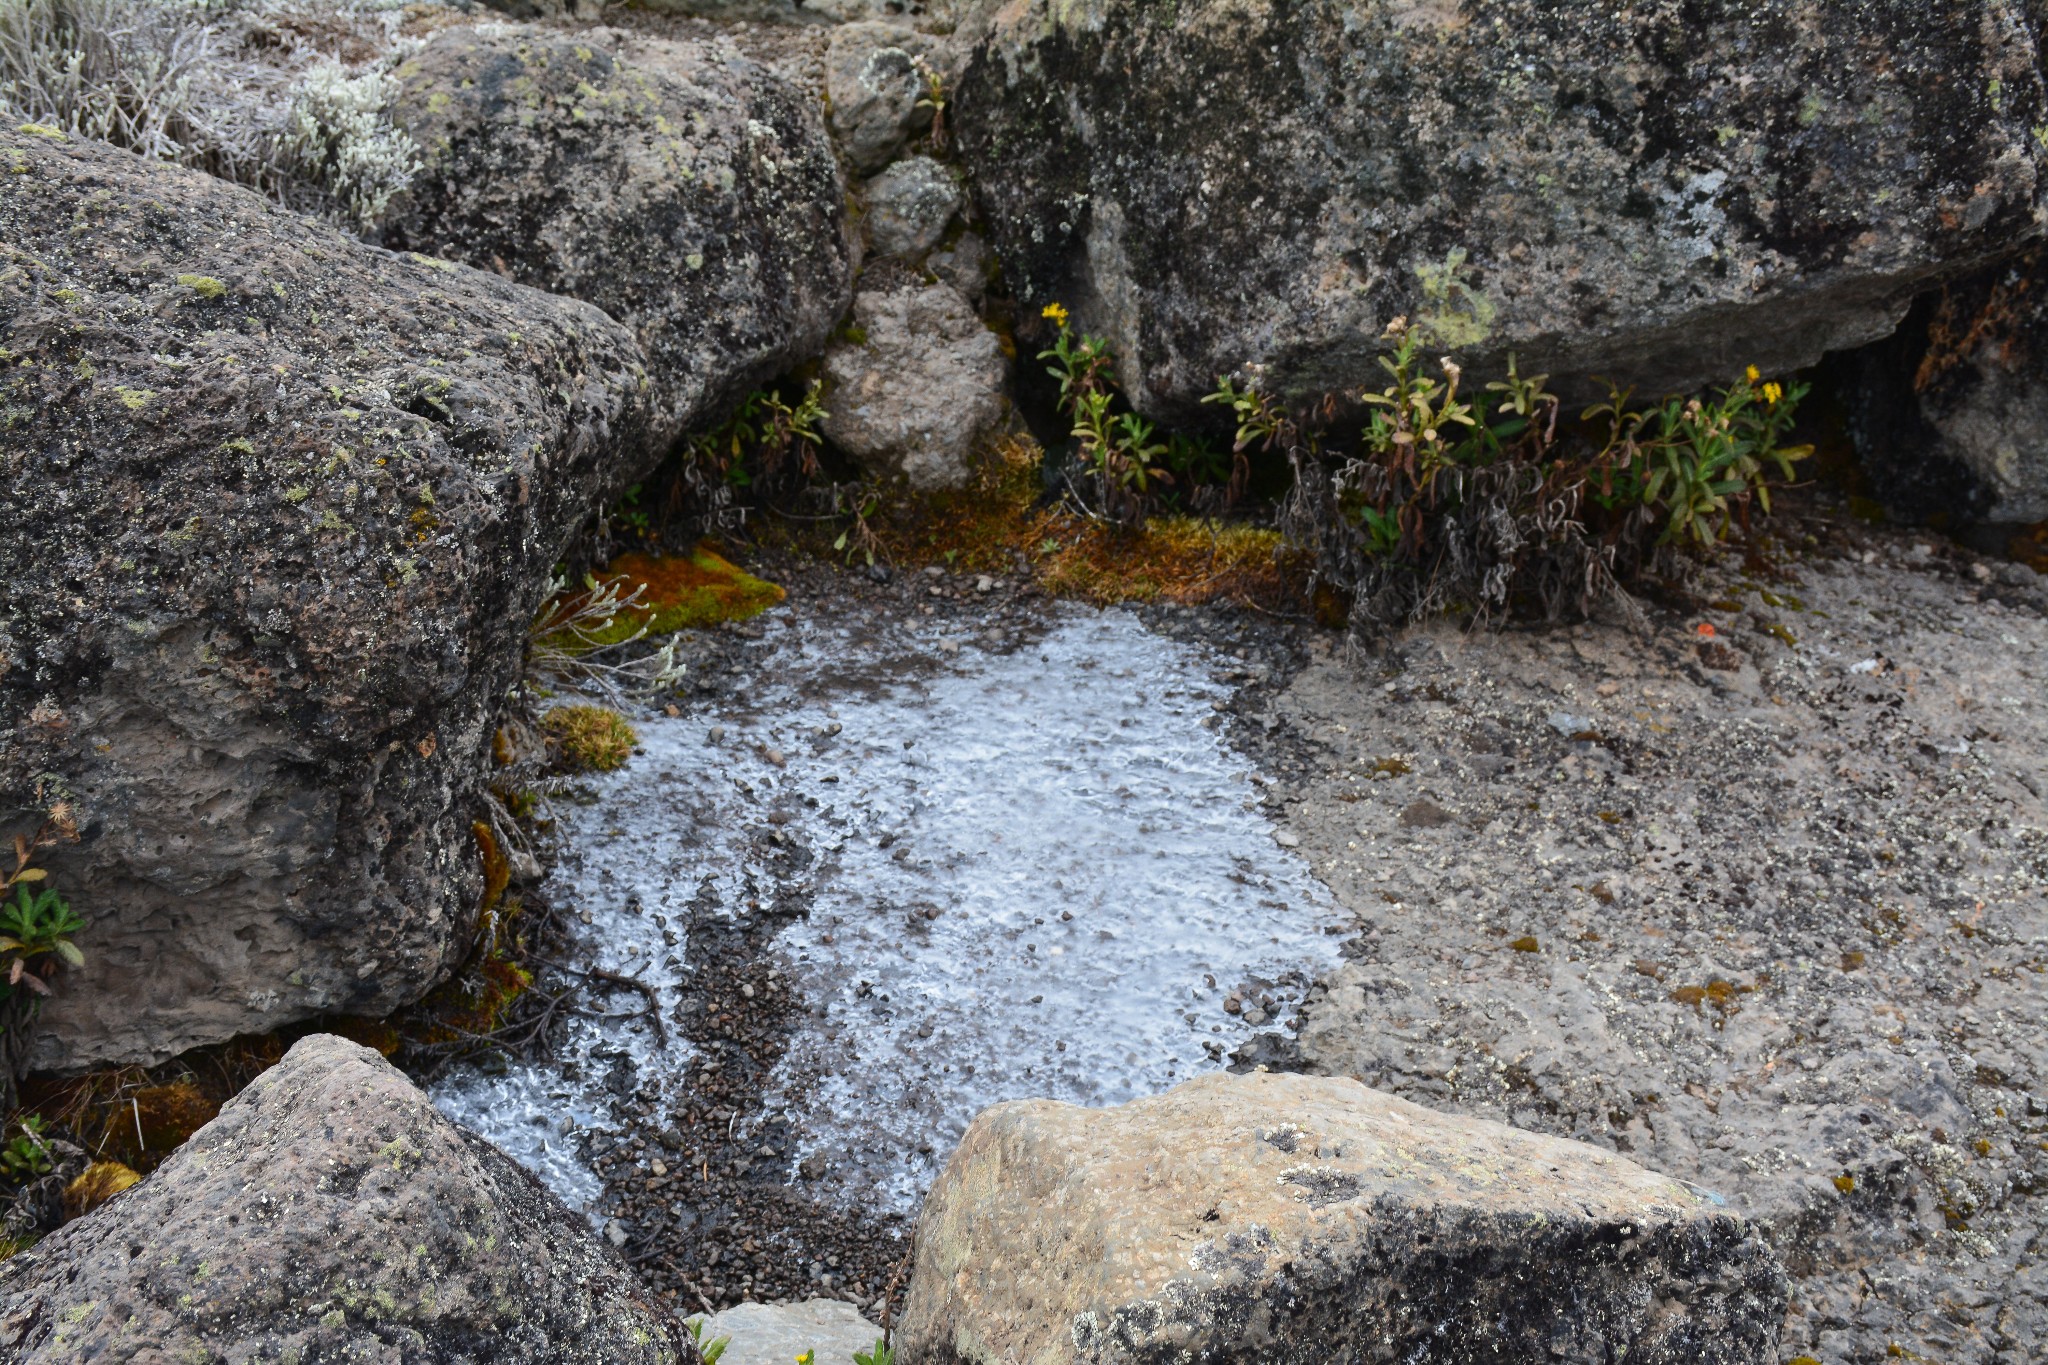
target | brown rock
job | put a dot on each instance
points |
(1295, 1220)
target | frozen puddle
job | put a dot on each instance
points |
(1030, 874)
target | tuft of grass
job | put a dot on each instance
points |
(590, 738)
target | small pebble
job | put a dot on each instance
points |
(1287, 839)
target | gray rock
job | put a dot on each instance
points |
(966, 265)
(328, 1213)
(1657, 193)
(689, 192)
(918, 388)
(295, 500)
(1950, 415)
(1289, 1219)
(775, 1334)
(875, 86)
(910, 206)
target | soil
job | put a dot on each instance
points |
(1753, 888)
(1756, 894)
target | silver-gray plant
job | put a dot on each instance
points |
(290, 97)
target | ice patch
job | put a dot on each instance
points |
(1034, 874)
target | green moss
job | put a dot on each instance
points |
(590, 737)
(205, 286)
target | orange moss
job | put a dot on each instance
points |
(474, 1000)
(682, 592)
(2030, 547)
(168, 1114)
(497, 867)
(376, 1034)
(995, 524)
(95, 1185)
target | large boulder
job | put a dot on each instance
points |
(915, 385)
(284, 506)
(331, 1213)
(1660, 193)
(1294, 1219)
(689, 192)
(1950, 415)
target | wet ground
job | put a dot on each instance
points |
(889, 867)
(1762, 905)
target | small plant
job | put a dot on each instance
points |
(766, 439)
(249, 90)
(1450, 501)
(27, 1157)
(707, 1351)
(574, 636)
(36, 929)
(35, 926)
(590, 737)
(934, 99)
(879, 1354)
(1123, 462)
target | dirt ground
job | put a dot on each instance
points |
(1757, 894)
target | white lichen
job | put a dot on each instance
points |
(290, 97)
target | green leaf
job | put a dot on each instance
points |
(68, 950)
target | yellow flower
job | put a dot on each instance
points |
(1056, 313)
(1754, 374)
(1772, 393)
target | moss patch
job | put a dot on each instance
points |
(682, 592)
(991, 525)
(590, 738)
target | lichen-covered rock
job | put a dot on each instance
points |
(876, 88)
(910, 206)
(1660, 193)
(331, 1213)
(1950, 415)
(284, 505)
(916, 384)
(1299, 1220)
(689, 192)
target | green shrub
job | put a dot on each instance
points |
(1443, 503)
